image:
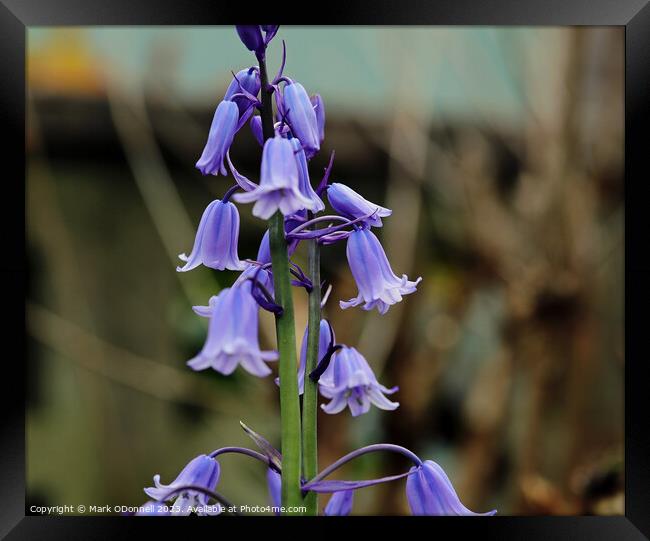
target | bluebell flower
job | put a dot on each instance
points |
(215, 245)
(222, 131)
(233, 334)
(153, 508)
(350, 204)
(249, 80)
(302, 117)
(325, 339)
(251, 37)
(430, 492)
(256, 129)
(274, 483)
(202, 471)
(378, 286)
(340, 504)
(304, 183)
(279, 182)
(349, 381)
(319, 109)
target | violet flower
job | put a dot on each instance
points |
(251, 37)
(215, 245)
(349, 381)
(350, 204)
(201, 471)
(256, 129)
(340, 504)
(233, 334)
(249, 80)
(222, 131)
(430, 492)
(302, 118)
(378, 286)
(304, 183)
(325, 339)
(279, 182)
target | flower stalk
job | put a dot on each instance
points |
(285, 331)
(310, 399)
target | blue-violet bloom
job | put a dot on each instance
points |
(349, 381)
(430, 492)
(378, 286)
(302, 117)
(202, 471)
(215, 245)
(251, 37)
(279, 182)
(222, 131)
(325, 339)
(350, 204)
(249, 80)
(256, 128)
(233, 334)
(340, 504)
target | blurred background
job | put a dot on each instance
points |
(500, 151)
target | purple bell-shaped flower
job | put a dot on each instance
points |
(349, 381)
(202, 471)
(249, 80)
(302, 117)
(378, 286)
(251, 37)
(233, 334)
(350, 204)
(215, 245)
(222, 132)
(430, 492)
(279, 187)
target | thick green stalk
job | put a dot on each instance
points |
(310, 402)
(286, 334)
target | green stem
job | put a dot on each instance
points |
(310, 399)
(286, 334)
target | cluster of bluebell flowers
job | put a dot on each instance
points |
(290, 138)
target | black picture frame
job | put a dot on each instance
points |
(634, 15)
